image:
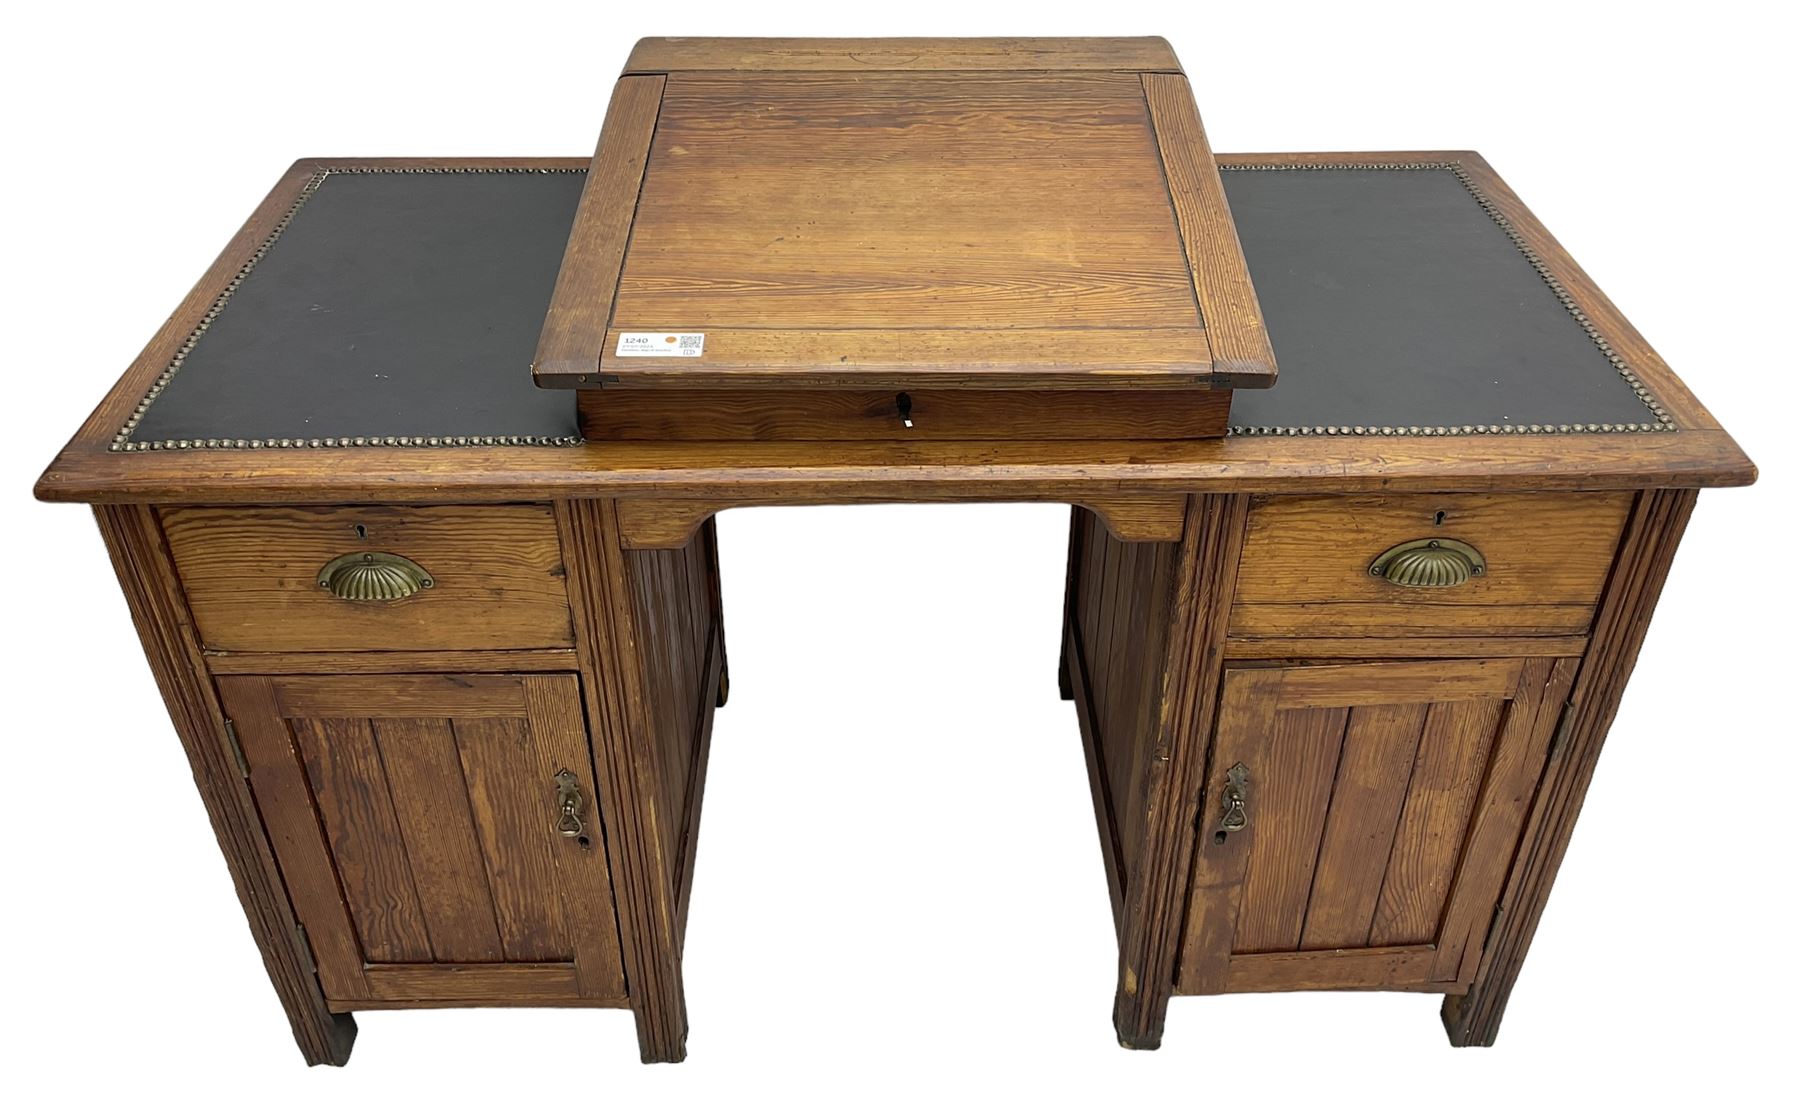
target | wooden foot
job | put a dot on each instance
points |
(1651, 537)
(724, 687)
(147, 577)
(1460, 1023)
(660, 1044)
(338, 1038)
(624, 614)
(1141, 1040)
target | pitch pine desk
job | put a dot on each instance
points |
(1343, 651)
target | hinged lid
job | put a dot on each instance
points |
(920, 213)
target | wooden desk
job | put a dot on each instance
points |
(1342, 673)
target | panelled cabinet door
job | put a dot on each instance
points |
(439, 834)
(1359, 820)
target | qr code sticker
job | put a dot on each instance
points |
(660, 344)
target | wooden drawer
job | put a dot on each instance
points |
(929, 414)
(1306, 568)
(252, 577)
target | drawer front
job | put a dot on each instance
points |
(407, 578)
(1514, 564)
(925, 414)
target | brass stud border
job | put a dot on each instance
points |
(122, 441)
(1664, 422)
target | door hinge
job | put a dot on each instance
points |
(237, 749)
(1560, 736)
(306, 950)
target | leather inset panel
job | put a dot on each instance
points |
(402, 304)
(1393, 299)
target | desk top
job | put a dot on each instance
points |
(367, 337)
(911, 213)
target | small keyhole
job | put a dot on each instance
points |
(1439, 519)
(362, 531)
(903, 404)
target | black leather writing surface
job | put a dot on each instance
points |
(1393, 299)
(393, 305)
(406, 305)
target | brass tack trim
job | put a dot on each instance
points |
(1664, 423)
(122, 441)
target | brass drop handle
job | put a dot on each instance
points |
(1436, 563)
(373, 576)
(1237, 815)
(568, 806)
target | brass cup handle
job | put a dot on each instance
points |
(1237, 814)
(568, 806)
(373, 576)
(1435, 563)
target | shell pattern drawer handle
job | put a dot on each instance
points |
(373, 576)
(1429, 564)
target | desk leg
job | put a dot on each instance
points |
(651, 649)
(1144, 638)
(134, 540)
(1623, 617)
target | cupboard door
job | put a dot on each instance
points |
(439, 834)
(1359, 820)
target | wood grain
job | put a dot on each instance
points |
(961, 414)
(285, 799)
(1035, 359)
(147, 578)
(1123, 595)
(1514, 768)
(627, 763)
(1381, 820)
(1650, 540)
(578, 866)
(511, 797)
(1235, 333)
(1440, 799)
(675, 602)
(442, 849)
(518, 983)
(1371, 786)
(911, 54)
(1698, 454)
(670, 523)
(350, 787)
(415, 818)
(1304, 648)
(447, 695)
(805, 472)
(1247, 707)
(226, 663)
(1370, 968)
(1442, 680)
(251, 576)
(1306, 566)
(570, 342)
(845, 229)
(1293, 775)
(1150, 928)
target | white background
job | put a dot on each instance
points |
(898, 880)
